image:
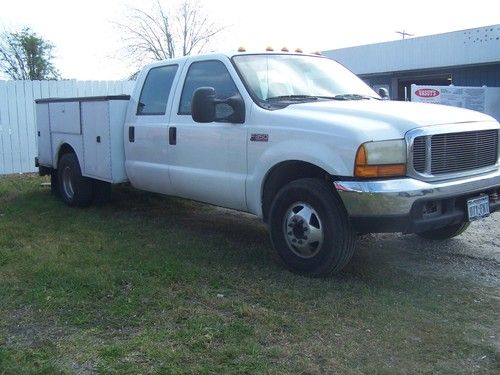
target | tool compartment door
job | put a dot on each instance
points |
(65, 117)
(43, 134)
(96, 140)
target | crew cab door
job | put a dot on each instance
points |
(146, 130)
(208, 161)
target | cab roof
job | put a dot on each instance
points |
(222, 55)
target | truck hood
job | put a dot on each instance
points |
(374, 116)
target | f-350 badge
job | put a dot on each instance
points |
(259, 137)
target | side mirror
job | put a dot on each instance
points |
(204, 107)
(384, 93)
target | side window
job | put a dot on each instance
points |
(207, 74)
(154, 94)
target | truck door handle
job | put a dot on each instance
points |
(131, 134)
(172, 135)
(98, 139)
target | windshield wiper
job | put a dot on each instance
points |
(352, 97)
(293, 97)
(318, 97)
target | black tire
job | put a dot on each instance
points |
(75, 190)
(444, 233)
(308, 207)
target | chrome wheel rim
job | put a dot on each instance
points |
(303, 230)
(67, 182)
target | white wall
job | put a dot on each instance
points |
(18, 146)
(457, 48)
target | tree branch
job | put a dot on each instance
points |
(165, 33)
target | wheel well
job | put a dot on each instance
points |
(64, 149)
(282, 174)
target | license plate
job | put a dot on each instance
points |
(478, 208)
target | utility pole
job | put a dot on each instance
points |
(404, 34)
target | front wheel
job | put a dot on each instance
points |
(310, 229)
(444, 233)
(75, 190)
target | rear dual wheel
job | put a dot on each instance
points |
(74, 189)
(310, 229)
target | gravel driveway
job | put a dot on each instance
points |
(474, 255)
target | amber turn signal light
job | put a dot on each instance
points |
(363, 169)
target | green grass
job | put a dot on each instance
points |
(150, 284)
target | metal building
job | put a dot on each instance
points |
(462, 58)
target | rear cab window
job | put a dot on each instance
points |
(156, 90)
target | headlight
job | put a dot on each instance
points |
(381, 159)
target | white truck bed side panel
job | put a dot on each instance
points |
(96, 140)
(74, 140)
(43, 132)
(65, 117)
(102, 129)
(117, 114)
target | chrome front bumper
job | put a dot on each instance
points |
(396, 197)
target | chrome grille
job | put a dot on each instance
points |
(455, 152)
(419, 154)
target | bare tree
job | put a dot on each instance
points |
(166, 33)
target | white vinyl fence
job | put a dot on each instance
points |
(18, 141)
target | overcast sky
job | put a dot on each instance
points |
(88, 42)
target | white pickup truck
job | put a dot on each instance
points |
(295, 139)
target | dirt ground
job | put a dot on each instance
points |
(474, 255)
(482, 239)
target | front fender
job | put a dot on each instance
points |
(320, 155)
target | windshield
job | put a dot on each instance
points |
(272, 78)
